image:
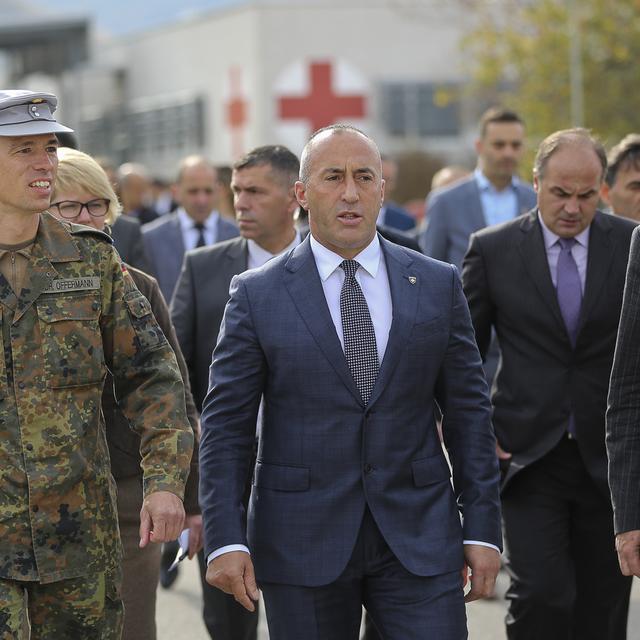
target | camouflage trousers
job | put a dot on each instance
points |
(85, 608)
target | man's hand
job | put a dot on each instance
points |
(194, 524)
(233, 573)
(502, 454)
(484, 563)
(161, 518)
(628, 548)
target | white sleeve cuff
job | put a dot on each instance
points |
(227, 549)
(482, 544)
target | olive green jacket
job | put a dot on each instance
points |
(78, 314)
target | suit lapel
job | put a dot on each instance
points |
(405, 292)
(601, 252)
(534, 256)
(237, 255)
(305, 288)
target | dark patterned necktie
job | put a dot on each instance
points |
(199, 227)
(359, 336)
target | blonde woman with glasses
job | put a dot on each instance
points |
(84, 195)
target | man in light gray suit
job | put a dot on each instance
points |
(194, 224)
(493, 194)
(623, 421)
(264, 199)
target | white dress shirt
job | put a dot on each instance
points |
(191, 235)
(259, 256)
(374, 282)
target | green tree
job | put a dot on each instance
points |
(520, 54)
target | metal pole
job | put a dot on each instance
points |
(575, 66)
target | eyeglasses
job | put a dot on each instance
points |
(71, 209)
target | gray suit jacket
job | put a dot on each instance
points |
(454, 213)
(165, 248)
(199, 299)
(623, 414)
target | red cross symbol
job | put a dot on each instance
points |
(236, 111)
(321, 107)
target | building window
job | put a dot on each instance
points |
(420, 109)
(139, 132)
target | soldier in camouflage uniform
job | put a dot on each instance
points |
(77, 313)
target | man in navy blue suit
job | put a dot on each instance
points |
(348, 339)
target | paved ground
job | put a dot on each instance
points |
(179, 612)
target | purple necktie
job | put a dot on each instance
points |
(569, 288)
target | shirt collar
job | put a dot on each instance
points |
(551, 238)
(327, 261)
(484, 184)
(260, 256)
(186, 222)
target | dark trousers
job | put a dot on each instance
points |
(403, 606)
(558, 530)
(140, 567)
(224, 618)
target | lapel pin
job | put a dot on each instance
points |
(413, 279)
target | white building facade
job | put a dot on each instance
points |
(266, 72)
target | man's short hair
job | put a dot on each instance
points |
(334, 128)
(566, 137)
(624, 155)
(497, 115)
(283, 162)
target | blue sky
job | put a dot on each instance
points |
(127, 16)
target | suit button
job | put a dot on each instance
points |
(35, 508)
(368, 468)
(29, 447)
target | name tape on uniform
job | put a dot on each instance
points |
(73, 284)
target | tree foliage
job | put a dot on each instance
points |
(519, 54)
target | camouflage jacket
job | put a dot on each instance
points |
(77, 314)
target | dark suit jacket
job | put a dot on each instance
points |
(165, 248)
(455, 212)
(393, 235)
(623, 415)
(127, 238)
(398, 218)
(322, 455)
(541, 378)
(200, 297)
(124, 443)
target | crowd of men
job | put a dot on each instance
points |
(368, 406)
